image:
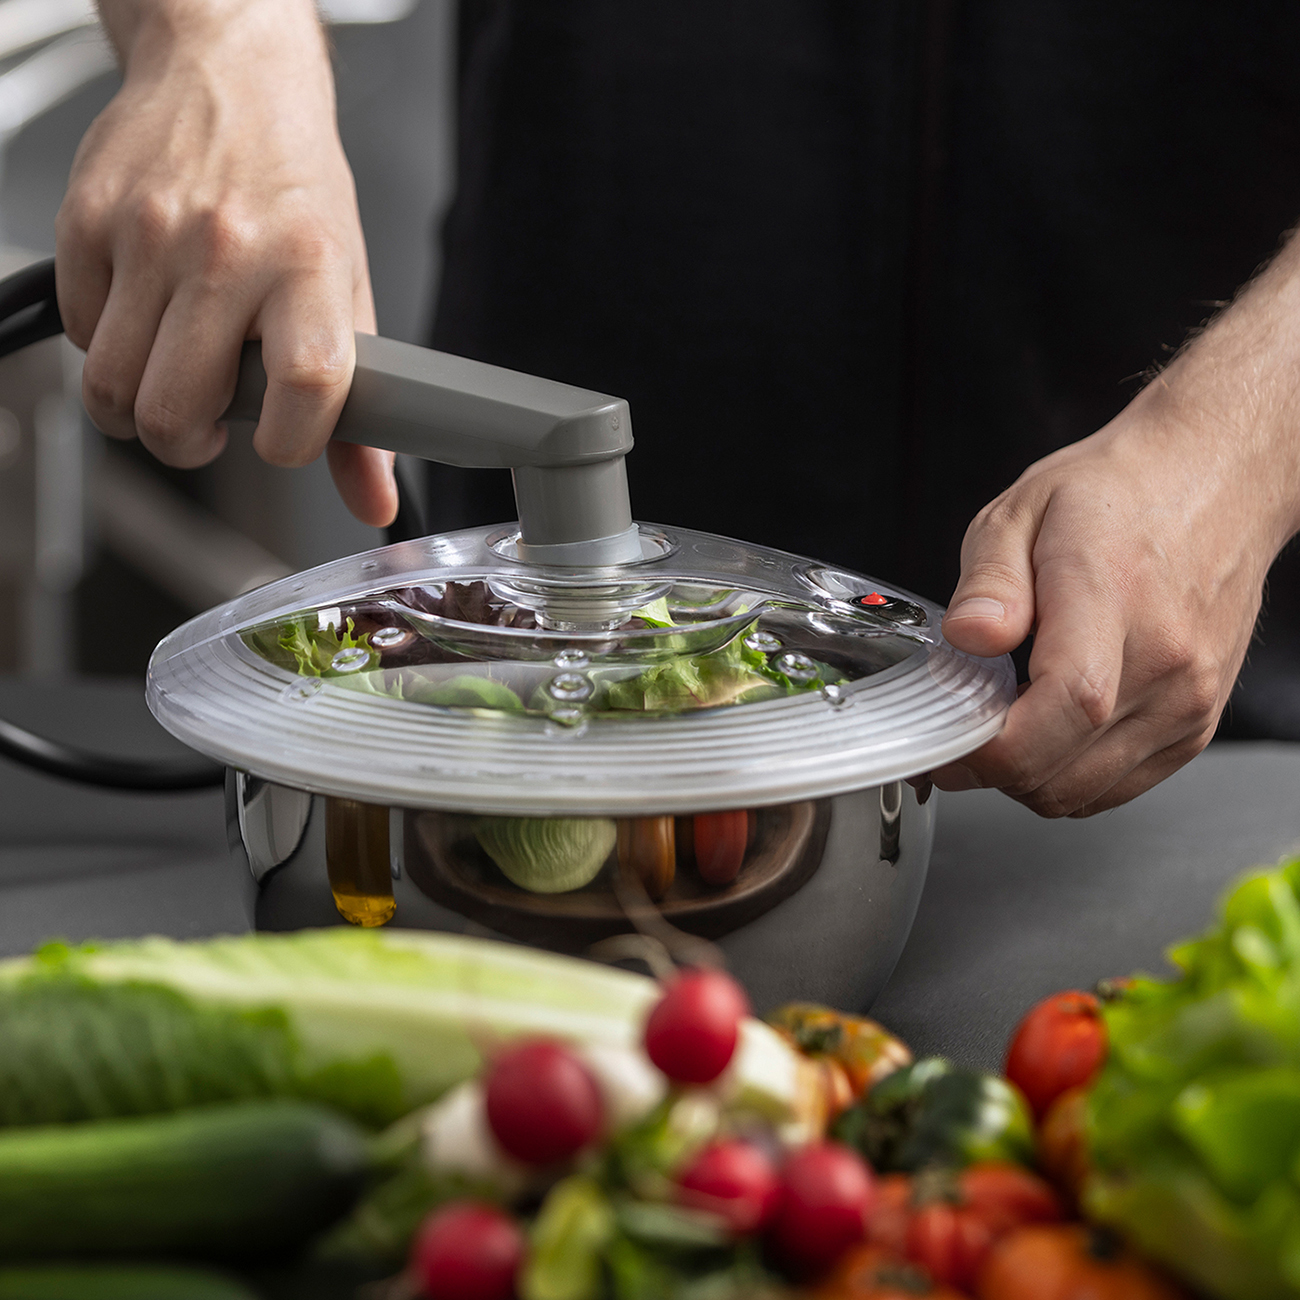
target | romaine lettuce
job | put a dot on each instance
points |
(1194, 1124)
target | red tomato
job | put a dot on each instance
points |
(1069, 1261)
(467, 1251)
(827, 1192)
(542, 1103)
(949, 1242)
(733, 1180)
(1060, 1044)
(891, 1213)
(692, 1031)
(1063, 1143)
(874, 1273)
(720, 839)
(956, 1220)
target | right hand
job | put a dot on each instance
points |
(208, 204)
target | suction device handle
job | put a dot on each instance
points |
(565, 445)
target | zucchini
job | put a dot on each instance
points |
(118, 1282)
(251, 1179)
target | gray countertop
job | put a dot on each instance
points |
(1015, 907)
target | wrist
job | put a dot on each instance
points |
(154, 36)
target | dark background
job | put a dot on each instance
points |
(857, 265)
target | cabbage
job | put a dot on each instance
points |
(548, 855)
(373, 1022)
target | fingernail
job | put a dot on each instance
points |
(977, 607)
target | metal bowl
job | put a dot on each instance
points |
(819, 909)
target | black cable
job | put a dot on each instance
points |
(29, 312)
(158, 777)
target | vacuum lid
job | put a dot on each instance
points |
(447, 673)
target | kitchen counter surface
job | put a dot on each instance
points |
(1015, 907)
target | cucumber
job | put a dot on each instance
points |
(251, 1179)
(118, 1282)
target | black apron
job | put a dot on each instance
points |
(856, 265)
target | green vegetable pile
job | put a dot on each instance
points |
(1194, 1124)
(732, 674)
(247, 1099)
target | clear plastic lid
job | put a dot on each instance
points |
(444, 673)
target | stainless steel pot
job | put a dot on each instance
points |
(438, 734)
(820, 908)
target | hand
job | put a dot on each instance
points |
(211, 203)
(1137, 558)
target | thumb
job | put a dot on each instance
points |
(992, 610)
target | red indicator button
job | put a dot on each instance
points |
(873, 598)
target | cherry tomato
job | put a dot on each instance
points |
(733, 1180)
(1069, 1261)
(720, 839)
(1063, 1145)
(542, 1103)
(1060, 1044)
(827, 1192)
(956, 1219)
(692, 1031)
(467, 1251)
(871, 1272)
(948, 1242)
(647, 849)
(891, 1213)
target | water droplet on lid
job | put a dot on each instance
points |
(570, 659)
(390, 636)
(370, 564)
(835, 696)
(350, 660)
(569, 687)
(797, 667)
(568, 717)
(763, 642)
(299, 692)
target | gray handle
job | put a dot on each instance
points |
(565, 445)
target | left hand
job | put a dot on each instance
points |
(1137, 558)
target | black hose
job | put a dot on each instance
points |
(113, 773)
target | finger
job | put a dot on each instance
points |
(306, 328)
(190, 376)
(1083, 782)
(1075, 674)
(364, 479)
(992, 610)
(83, 273)
(1147, 774)
(364, 475)
(120, 346)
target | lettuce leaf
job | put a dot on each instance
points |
(1194, 1124)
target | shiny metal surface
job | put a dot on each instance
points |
(831, 932)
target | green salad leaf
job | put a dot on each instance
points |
(1194, 1124)
(732, 674)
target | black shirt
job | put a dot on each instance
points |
(857, 264)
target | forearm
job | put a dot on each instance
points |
(1234, 391)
